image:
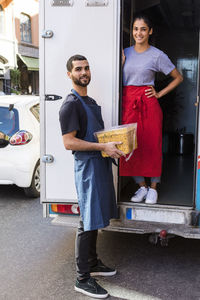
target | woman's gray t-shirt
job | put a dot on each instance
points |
(140, 68)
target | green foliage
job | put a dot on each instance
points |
(15, 75)
(14, 91)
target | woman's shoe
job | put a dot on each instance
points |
(139, 194)
(152, 196)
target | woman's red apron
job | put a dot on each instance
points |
(146, 112)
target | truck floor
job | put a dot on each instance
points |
(176, 186)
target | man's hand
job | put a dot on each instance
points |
(72, 143)
(111, 150)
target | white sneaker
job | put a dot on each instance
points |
(152, 196)
(140, 194)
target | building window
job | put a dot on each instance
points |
(25, 28)
(1, 19)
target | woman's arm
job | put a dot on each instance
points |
(177, 79)
(123, 58)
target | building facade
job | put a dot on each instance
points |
(19, 46)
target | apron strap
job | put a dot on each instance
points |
(81, 99)
(78, 96)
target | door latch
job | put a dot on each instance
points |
(51, 97)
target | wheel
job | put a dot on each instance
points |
(33, 191)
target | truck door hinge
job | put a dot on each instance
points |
(48, 159)
(47, 34)
(51, 97)
(96, 2)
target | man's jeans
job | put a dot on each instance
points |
(85, 251)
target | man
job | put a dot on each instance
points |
(80, 117)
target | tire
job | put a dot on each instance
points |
(33, 191)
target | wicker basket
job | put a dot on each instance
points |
(122, 133)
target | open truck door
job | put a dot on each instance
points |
(89, 28)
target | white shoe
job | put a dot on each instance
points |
(140, 194)
(152, 196)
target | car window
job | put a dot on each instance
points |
(36, 111)
(9, 120)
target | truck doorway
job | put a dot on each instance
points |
(176, 32)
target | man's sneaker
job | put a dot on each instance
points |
(90, 288)
(152, 196)
(101, 270)
(140, 194)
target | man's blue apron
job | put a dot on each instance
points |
(93, 176)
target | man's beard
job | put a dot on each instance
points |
(79, 82)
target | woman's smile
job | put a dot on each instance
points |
(141, 31)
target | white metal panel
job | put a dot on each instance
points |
(161, 216)
(42, 106)
(93, 32)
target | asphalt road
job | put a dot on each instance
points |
(37, 259)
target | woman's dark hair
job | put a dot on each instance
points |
(141, 16)
(75, 57)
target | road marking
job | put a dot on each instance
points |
(125, 293)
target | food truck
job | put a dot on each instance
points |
(99, 30)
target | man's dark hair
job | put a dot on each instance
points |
(69, 64)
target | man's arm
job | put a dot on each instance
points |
(71, 142)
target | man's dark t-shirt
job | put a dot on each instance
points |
(73, 116)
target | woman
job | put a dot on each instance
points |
(140, 104)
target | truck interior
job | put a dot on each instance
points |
(176, 32)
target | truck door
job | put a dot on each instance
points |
(68, 27)
(197, 187)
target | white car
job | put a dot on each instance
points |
(19, 143)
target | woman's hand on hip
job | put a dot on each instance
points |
(112, 151)
(151, 92)
(123, 58)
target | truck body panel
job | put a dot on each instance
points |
(93, 29)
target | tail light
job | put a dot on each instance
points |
(69, 209)
(21, 137)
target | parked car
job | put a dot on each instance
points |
(19, 143)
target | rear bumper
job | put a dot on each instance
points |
(69, 221)
(139, 227)
(17, 167)
(146, 219)
(13, 174)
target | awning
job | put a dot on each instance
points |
(3, 60)
(32, 63)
